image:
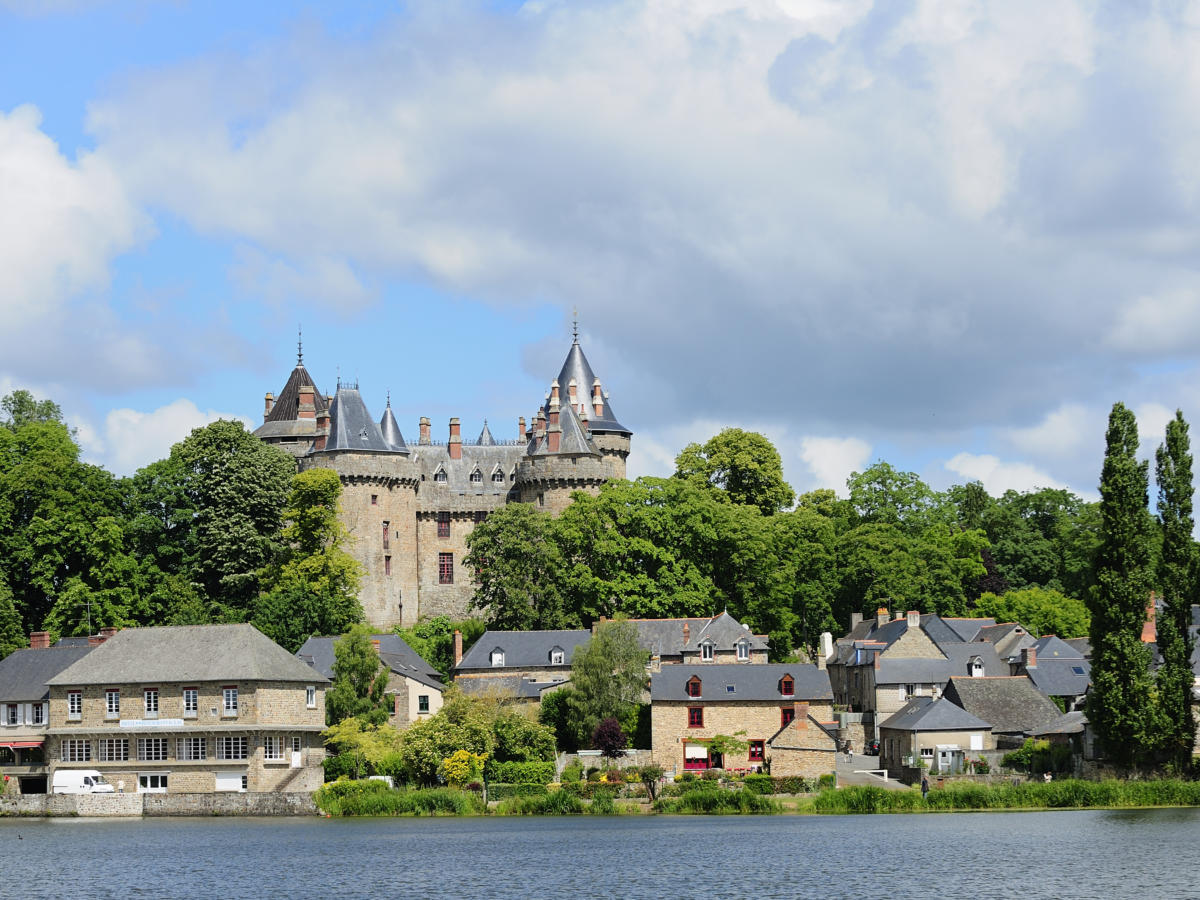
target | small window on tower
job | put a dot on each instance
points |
(497, 477)
(445, 568)
(387, 565)
(443, 520)
(439, 476)
(374, 499)
(476, 477)
(387, 534)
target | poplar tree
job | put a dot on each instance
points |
(1120, 704)
(1177, 580)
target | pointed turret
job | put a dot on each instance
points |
(485, 436)
(390, 429)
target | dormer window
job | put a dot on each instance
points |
(440, 476)
(497, 477)
(787, 687)
(706, 651)
(976, 667)
(476, 477)
(557, 656)
(693, 687)
(497, 657)
(743, 651)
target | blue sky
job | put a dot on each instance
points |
(946, 235)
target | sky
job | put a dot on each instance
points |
(946, 235)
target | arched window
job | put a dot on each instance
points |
(976, 667)
(497, 477)
(693, 687)
(440, 476)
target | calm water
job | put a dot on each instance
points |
(1144, 854)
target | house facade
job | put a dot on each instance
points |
(190, 709)
(934, 733)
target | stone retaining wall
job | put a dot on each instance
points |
(293, 803)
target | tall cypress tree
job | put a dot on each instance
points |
(1177, 580)
(1120, 704)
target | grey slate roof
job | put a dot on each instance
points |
(522, 649)
(664, 637)
(432, 457)
(1060, 678)
(939, 671)
(287, 404)
(396, 654)
(1068, 723)
(968, 629)
(749, 682)
(1011, 704)
(927, 714)
(1051, 647)
(389, 428)
(1081, 645)
(24, 673)
(351, 426)
(485, 436)
(576, 366)
(187, 653)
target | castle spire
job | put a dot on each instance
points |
(575, 324)
(299, 346)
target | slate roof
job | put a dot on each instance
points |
(1059, 678)
(789, 737)
(1009, 638)
(287, 404)
(576, 366)
(1011, 703)
(432, 457)
(522, 649)
(187, 653)
(351, 426)
(1051, 647)
(1082, 645)
(968, 629)
(24, 673)
(749, 682)
(1068, 723)
(927, 714)
(389, 428)
(396, 654)
(939, 671)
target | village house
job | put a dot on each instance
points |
(719, 639)
(1057, 670)
(934, 733)
(692, 704)
(414, 687)
(190, 709)
(1010, 704)
(519, 664)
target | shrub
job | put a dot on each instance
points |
(557, 803)
(776, 784)
(520, 772)
(340, 766)
(501, 791)
(651, 775)
(603, 805)
(375, 798)
(827, 782)
(711, 800)
(573, 772)
(593, 773)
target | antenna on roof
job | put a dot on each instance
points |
(299, 346)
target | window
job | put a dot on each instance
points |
(787, 687)
(150, 698)
(757, 750)
(152, 749)
(192, 749)
(245, 780)
(497, 477)
(229, 747)
(39, 714)
(439, 476)
(695, 717)
(422, 703)
(11, 714)
(731, 689)
(76, 751)
(445, 568)
(911, 690)
(152, 783)
(374, 499)
(74, 704)
(387, 565)
(557, 656)
(927, 752)
(112, 704)
(387, 534)
(497, 657)
(310, 697)
(112, 749)
(272, 747)
(191, 703)
(706, 651)
(476, 477)
(1078, 670)
(693, 687)
(231, 700)
(743, 650)
(294, 741)
(787, 715)
(976, 667)
(443, 521)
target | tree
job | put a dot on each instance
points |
(557, 712)
(609, 738)
(882, 494)
(742, 464)
(22, 408)
(608, 674)
(1041, 611)
(518, 569)
(359, 680)
(462, 767)
(519, 739)
(433, 639)
(425, 744)
(12, 634)
(364, 746)
(312, 588)
(795, 603)
(1177, 580)
(1120, 706)
(651, 775)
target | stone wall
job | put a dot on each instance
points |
(280, 804)
(437, 599)
(669, 729)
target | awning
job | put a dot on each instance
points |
(21, 745)
(695, 751)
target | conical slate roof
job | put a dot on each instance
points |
(485, 436)
(390, 429)
(573, 439)
(287, 404)
(351, 426)
(576, 366)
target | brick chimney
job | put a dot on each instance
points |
(1150, 627)
(572, 394)
(458, 653)
(553, 434)
(39, 640)
(801, 708)
(881, 617)
(597, 399)
(1029, 657)
(308, 407)
(914, 618)
(108, 631)
(424, 429)
(521, 429)
(687, 633)
(455, 445)
(268, 405)
(824, 650)
(322, 438)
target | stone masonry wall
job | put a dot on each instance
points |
(204, 804)
(759, 720)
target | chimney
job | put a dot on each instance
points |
(39, 640)
(597, 399)
(541, 423)
(375, 644)
(107, 631)
(881, 617)
(322, 438)
(268, 405)
(308, 408)
(914, 618)
(521, 429)
(455, 444)
(855, 620)
(1029, 657)
(1150, 627)
(572, 396)
(687, 633)
(94, 640)
(801, 708)
(824, 649)
(554, 401)
(424, 428)
(458, 654)
(553, 433)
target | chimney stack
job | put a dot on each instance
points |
(322, 438)
(687, 633)
(521, 429)
(308, 406)
(881, 617)
(914, 618)
(1150, 627)
(801, 708)
(572, 395)
(824, 649)
(107, 631)
(458, 651)
(455, 444)
(424, 429)
(268, 405)
(39, 640)
(597, 399)
(1029, 657)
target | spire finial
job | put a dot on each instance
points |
(389, 399)
(575, 324)
(299, 345)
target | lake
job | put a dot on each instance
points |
(1143, 853)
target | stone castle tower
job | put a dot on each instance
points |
(409, 507)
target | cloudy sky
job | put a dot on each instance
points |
(948, 235)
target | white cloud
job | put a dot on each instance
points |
(1158, 323)
(1062, 433)
(1152, 419)
(331, 282)
(131, 439)
(997, 476)
(833, 460)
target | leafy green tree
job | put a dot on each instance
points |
(742, 464)
(1177, 580)
(557, 712)
(517, 565)
(519, 739)
(359, 680)
(794, 603)
(12, 634)
(312, 588)
(21, 408)
(433, 639)
(1120, 705)
(608, 674)
(880, 494)
(424, 744)
(364, 746)
(1040, 610)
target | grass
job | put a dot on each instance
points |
(375, 798)
(717, 801)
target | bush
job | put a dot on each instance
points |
(710, 800)
(375, 798)
(573, 772)
(500, 791)
(519, 772)
(827, 782)
(776, 784)
(603, 805)
(340, 766)
(593, 773)
(557, 803)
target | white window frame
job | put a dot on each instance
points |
(229, 701)
(557, 657)
(743, 650)
(161, 751)
(706, 651)
(192, 749)
(191, 703)
(232, 747)
(150, 702)
(75, 750)
(497, 658)
(272, 748)
(12, 714)
(152, 782)
(74, 705)
(295, 744)
(112, 703)
(112, 750)
(310, 697)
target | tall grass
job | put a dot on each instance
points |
(716, 802)
(375, 798)
(556, 803)
(1065, 794)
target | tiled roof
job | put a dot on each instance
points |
(24, 673)
(749, 682)
(1011, 703)
(927, 714)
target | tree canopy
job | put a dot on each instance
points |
(743, 465)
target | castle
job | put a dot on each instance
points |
(410, 506)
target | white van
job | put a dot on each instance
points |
(80, 781)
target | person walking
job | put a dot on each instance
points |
(924, 787)
(849, 752)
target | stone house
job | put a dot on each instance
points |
(410, 505)
(25, 710)
(414, 686)
(719, 639)
(519, 664)
(691, 704)
(1011, 704)
(936, 733)
(190, 709)
(1056, 669)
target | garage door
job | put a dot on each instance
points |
(231, 781)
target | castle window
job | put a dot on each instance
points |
(386, 535)
(443, 520)
(497, 477)
(374, 499)
(440, 476)
(445, 568)
(387, 565)
(476, 477)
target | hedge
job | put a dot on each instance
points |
(537, 772)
